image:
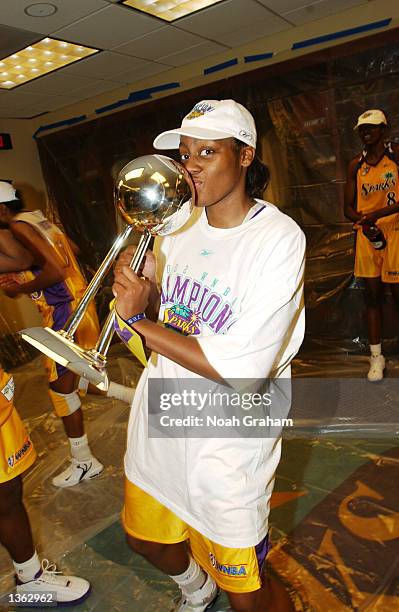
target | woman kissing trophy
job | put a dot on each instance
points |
(155, 196)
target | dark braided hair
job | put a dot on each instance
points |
(258, 175)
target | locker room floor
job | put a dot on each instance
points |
(335, 509)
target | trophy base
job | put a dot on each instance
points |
(84, 363)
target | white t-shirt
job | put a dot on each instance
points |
(242, 288)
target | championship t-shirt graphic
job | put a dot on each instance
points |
(190, 304)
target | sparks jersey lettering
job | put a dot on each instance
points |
(189, 304)
(377, 187)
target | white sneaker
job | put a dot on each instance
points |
(203, 599)
(377, 367)
(58, 589)
(77, 472)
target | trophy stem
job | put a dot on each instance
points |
(95, 283)
(140, 251)
(104, 340)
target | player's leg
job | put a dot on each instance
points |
(390, 273)
(17, 454)
(395, 294)
(368, 265)
(271, 596)
(158, 535)
(31, 576)
(169, 558)
(67, 405)
(240, 572)
(66, 401)
(374, 294)
(15, 532)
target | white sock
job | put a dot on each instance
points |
(80, 448)
(120, 392)
(28, 569)
(375, 350)
(192, 579)
(83, 385)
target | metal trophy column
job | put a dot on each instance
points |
(155, 196)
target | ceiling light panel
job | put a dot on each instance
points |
(38, 59)
(169, 10)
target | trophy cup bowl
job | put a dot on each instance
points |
(155, 196)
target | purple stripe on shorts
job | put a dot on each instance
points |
(261, 550)
(61, 370)
(61, 314)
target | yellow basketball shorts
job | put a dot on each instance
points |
(371, 263)
(86, 335)
(17, 452)
(238, 570)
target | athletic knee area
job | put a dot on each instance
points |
(10, 496)
(144, 547)
(65, 404)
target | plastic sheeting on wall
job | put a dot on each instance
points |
(305, 122)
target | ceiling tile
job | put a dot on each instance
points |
(160, 42)
(12, 40)
(227, 17)
(18, 99)
(193, 54)
(102, 65)
(283, 6)
(113, 25)
(323, 8)
(55, 102)
(95, 89)
(261, 29)
(50, 104)
(137, 65)
(12, 13)
(136, 74)
(56, 83)
(14, 113)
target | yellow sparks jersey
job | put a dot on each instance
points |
(57, 302)
(378, 186)
(74, 285)
(16, 449)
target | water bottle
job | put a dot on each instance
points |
(375, 235)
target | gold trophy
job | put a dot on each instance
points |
(155, 196)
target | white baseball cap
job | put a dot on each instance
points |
(212, 120)
(372, 117)
(7, 192)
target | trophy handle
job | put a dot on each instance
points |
(74, 321)
(104, 339)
